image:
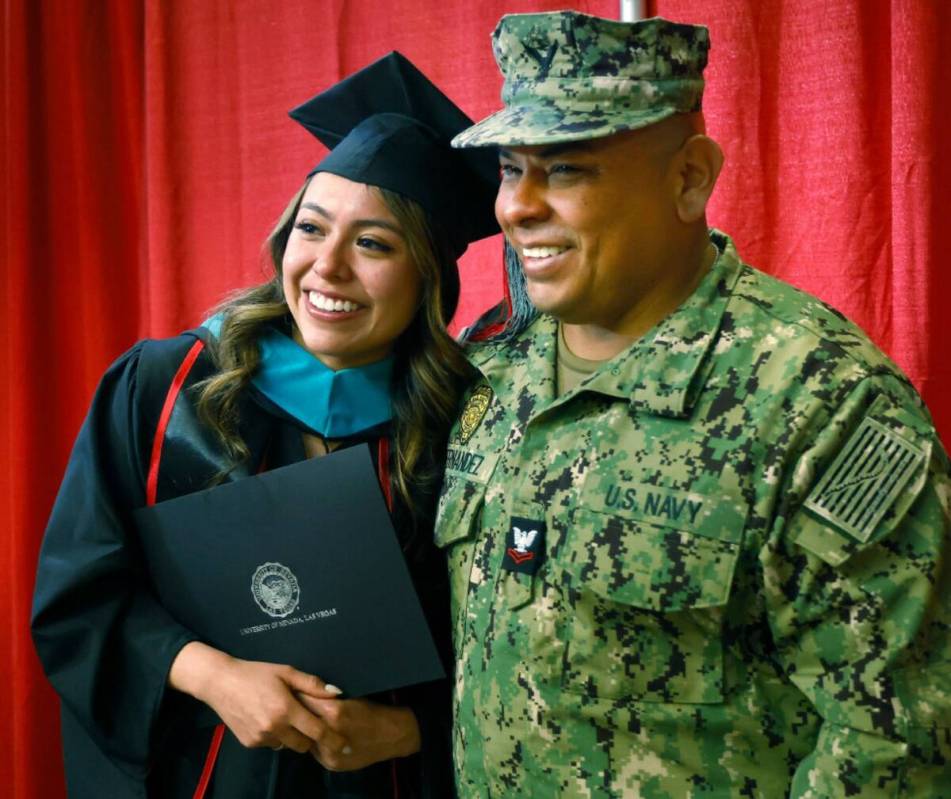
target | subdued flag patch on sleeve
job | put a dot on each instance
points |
(865, 479)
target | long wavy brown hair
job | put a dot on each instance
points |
(429, 373)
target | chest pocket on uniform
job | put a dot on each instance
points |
(648, 572)
(463, 493)
(458, 517)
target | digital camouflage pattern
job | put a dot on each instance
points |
(573, 76)
(726, 606)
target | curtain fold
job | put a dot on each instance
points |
(829, 115)
(71, 184)
(145, 153)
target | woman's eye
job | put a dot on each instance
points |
(307, 228)
(373, 244)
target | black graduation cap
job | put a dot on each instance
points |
(389, 126)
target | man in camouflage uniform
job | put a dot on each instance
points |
(697, 523)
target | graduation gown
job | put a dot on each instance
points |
(107, 645)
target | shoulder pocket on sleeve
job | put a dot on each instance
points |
(867, 486)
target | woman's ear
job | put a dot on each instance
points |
(698, 165)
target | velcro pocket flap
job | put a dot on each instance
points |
(654, 547)
(463, 493)
(648, 566)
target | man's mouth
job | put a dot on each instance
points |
(542, 252)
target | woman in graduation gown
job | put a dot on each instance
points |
(364, 282)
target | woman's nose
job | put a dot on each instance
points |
(330, 262)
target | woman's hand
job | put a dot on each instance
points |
(261, 703)
(375, 732)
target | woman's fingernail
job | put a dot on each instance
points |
(346, 750)
(332, 689)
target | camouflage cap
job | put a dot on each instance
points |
(571, 76)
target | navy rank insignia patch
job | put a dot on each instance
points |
(865, 479)
(524, 545)
(472, 413)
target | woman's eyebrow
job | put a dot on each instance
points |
(372, 222)
(318, 209)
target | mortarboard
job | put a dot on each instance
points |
(389, 126)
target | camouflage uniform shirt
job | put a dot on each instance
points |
(716, 568)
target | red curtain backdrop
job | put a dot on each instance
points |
(145, 153)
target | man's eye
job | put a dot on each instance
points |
(508, 171)
(563, 169)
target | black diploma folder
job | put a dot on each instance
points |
(299, 565)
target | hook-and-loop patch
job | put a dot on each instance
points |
(865, 479)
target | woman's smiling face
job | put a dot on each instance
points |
(347, 274)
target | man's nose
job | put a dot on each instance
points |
(521, 202)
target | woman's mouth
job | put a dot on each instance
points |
(331, 304)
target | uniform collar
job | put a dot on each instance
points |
(662, 372)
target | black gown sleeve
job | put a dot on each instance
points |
(430, 771)
(105, 643)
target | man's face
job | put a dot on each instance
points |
(590, 221)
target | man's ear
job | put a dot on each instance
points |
(698, 165)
